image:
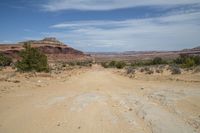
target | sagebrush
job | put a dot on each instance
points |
(5, 60)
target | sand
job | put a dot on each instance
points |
(99, 101)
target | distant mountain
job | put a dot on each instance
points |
(54, 49)
(143, 52)
(192, 49)
(141, 55)
(196, 48)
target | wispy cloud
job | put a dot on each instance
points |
(6, 42)
(166, 32)
(28, 30)
(57, 5)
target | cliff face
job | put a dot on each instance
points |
(54, 49)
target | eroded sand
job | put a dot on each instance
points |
(99, 101)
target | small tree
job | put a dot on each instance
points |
(189, 62)
(4, 60)
(32, 60)
(120, 65)
(196, 60)
(157, 61)
(112, 64)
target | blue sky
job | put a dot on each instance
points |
(104, 25)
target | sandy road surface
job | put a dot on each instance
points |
(100, 101)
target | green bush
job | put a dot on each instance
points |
(84, 63)
(112, 64)
(187, 61)
(32, 60)
(139, 63)
(71, 63)
(196, 60)
(157, 61)
(4, 60)
(104, 64)
(120, 65)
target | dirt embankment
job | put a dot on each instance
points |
(99, 101)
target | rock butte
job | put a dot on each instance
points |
(54, 49)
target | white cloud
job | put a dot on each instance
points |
(57, 5)
(161, 33)
(5, 42)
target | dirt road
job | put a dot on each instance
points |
(99, 101)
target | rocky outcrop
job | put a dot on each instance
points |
(47, 41)
(54, 49)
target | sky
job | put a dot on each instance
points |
(104, 25)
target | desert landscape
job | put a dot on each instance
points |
(94, 99)
(100, 66)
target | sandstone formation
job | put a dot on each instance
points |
(54, 49)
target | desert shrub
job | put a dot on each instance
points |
(32, 60)
(142, 70)
(104, 64)
(79, 63)
(140, 63)
(84, 63)
(4, 60)
(64, 64)
(120, 64)
(71, 63)
(187, 61)
(112, 64)
(179, 60)
(149, 72)
(157, 60)
(196, 59)
(197, 69)
(146, 69)
(137, 64)
(159, 71)
(161, 67)
(130, 70)
(90, 65)
(175, 69)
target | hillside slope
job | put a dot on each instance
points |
(54, 49)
